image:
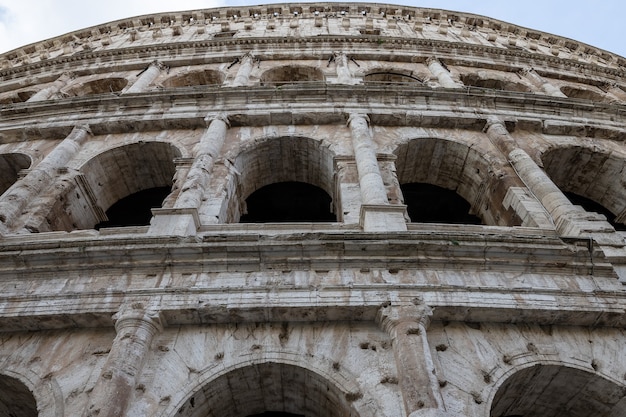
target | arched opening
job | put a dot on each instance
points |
(135, 209)
(10, 165)
(299, 170)
(19, 97)
(100, 86)
(190, 79)
(276, 77)
(391, 77)
(590, 205)
(288, 202)
(431, 170)
(269, 390)
(593, 179)
(582, 93)
(138, 176)
(427, 203)
(16, 399)
(474, 80)
(556, 391)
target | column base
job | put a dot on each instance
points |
(382, 218)
(174, 222)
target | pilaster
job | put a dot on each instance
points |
(243, 73)
(417, 375)
(376, 212)
(146, 78)
(443, 75)
(13, 201)
(52, 89)
(183, 218)
(136, 327)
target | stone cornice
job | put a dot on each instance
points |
(226, 48)
(421, 107)
(507, 249)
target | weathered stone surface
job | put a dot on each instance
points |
(117, 305)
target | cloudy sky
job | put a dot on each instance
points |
(599, 23)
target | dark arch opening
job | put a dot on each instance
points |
(269, 390)
(582, 93)
(195, 78)
(100, 86)
(289, 75)
(557, 391)
(289, 201)
(10, 166)
(16, 400)
(493, 83)
(390, 77)
(590, 205)
(427, 203)
(135, 209)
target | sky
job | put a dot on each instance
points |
(599, 23)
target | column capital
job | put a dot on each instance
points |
(355, 116)
(137, 315)
(494, 121)
(221, 116)
(158, 64)
(391, 316)
(432, 59)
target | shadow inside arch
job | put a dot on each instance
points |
(270, 389)
(16, 399)
(557, 390)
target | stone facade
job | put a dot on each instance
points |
(396, 306)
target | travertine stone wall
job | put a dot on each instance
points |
(194, 313)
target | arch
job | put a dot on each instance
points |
(194, 78)
(460, 168)
(427, 203)
(10, 166)
(582, 93)
(475, 80)
(19, 97)
(15, 398)
(112, 176)
(272, 386)
(291, 74)
(391, 76)
(98, 86)
(553, 390)
(592, 173)
(281, 160)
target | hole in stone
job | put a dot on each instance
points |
(135, 209)
(288, 201)
(427, 203)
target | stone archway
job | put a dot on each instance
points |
(269, 389)
(10, 166)
(138, 169)
(460, 168)
(99, 86)
(558, 391)
(599, 176)
(282, 160)
(16, 399)
(194, 78)
(474, 80)
(279, 76)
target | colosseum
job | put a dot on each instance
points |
(312, 210)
